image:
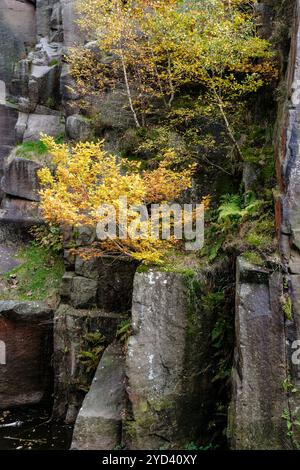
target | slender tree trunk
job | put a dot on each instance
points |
(172, 89)
(128, 91)
(228, 126)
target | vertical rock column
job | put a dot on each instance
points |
(167, 355)
(258, 398)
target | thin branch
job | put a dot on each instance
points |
(216, 166)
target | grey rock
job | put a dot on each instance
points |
(67, 285)
(258, 398)
(79, 128)
(114, 277)
(21, 126)
(46, 124)
(72, 33)
(20, 211)
(17, 31)
(249, 273)
(83, 292)
(68, 85)
(168, 388)
(99, 422)
(294, 262)
(8, 120)
(43, 83)
(20, 178)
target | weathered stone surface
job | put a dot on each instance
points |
(114, 277)
(21, 126)
(43, 83)
(166, 363)
(26, 330)
(99, 422)
(44, 10)
(20, 210)
(79, 128)
(83, 292)
(71, 328)
(17, 30)
(39, 123)
(72, 33)
(20, 178)
(67, 85)
(258, 398)
(8, 119)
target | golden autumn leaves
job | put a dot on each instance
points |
(86, 178)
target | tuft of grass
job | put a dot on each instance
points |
(258, 240)
(37, 278)
(31, 149)
(253, 258)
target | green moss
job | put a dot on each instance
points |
(50, 103)
(53, 62)
(253, 257)
(37, 278)
(287, 307)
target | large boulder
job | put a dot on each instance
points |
(46, 124)
(99, 422)
(75, 331)
(26, 330)
(168, 383)
(20, 210)
(260, 370)
(20, 178)
(79, 128)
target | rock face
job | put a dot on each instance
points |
(288, 208)
(99, 422)
(17, 32)
(8, 120)
(105, 282)
(258, 397)
(72, 330)
(166, 383)
(26, 330)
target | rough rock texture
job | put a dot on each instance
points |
(17, 31)
(79, 128)
(258, 397)
(167, 384)
(72, 34)
(288, 205)
(114, 280)
(20, 178)
(8, 119)
(46, 124)
(71, 336)
(26, 330)
(20, 210)
(99, 422)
